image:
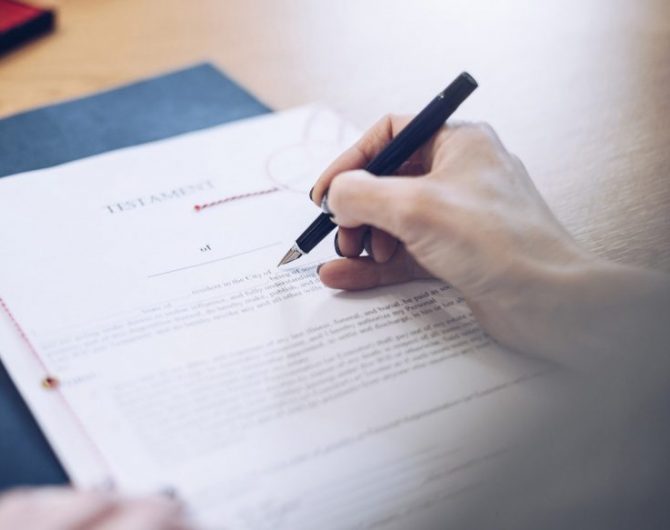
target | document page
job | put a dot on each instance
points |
(146, 323)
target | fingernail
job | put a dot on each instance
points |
(310, 193)
(337, 245)
(318, 268)
(324, 204)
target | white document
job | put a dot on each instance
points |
(182, 359)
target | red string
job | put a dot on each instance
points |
(306, 139)
(303, 143)
(199, 207)
(55, 387)
(23, 334)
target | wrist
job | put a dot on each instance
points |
(549, 308)
(587, 311)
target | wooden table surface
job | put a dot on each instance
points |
(579, 89)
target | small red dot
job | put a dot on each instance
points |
(50, 382)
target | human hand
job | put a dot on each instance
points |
(464, 211)
(55, 508)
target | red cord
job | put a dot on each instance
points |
(52, 384)
(199, 207)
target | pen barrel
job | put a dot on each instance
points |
(314, 233)
(414, 135)
(423, 126)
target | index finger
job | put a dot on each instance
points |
(359, 154)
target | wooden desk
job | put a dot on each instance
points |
(577, 88)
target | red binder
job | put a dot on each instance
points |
(21, 22)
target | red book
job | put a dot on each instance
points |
(20, 22)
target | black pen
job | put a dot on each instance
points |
(414, 135)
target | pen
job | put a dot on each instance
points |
(414, 135)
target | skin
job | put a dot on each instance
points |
(464, 210)
(57, 508)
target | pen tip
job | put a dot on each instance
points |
(293, 254)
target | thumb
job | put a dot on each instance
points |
(359, 198)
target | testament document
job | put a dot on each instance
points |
(144, 320)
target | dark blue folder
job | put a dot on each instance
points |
(179, 102)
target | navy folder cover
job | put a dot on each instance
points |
(186, 100)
